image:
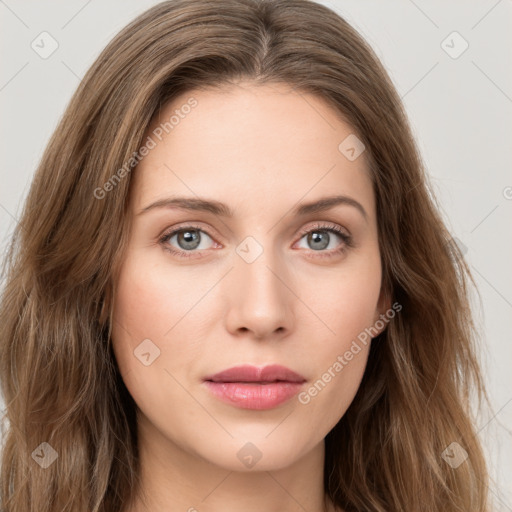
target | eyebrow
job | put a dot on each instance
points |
(223, 210)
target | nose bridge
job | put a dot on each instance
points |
(256, 267)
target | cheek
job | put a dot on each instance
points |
(143, 310)
(346, 306)
(345, 301)
(152, 298)
(340, 356)
(138, 296)
(160, 311)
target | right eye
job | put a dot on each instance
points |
(188, 239)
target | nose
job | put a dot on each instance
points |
(261, 300)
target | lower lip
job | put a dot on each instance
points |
(254, 395)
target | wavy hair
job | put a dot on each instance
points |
(58, 373)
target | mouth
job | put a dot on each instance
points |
(250, 387)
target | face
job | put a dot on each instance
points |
(273, 283)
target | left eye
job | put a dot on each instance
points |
(321, 238)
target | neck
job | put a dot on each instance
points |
(173, 477)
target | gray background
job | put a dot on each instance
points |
(460, 110)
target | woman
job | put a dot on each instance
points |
(231, 286)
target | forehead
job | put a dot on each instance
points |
(246, 143)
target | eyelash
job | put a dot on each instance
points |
(331, 228)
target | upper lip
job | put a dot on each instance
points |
(248, 373)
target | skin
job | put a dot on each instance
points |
(262, 150)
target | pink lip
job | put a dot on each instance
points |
(250, 387)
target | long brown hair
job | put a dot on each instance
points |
(59, 377)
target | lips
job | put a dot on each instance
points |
(250, 387)
(248, 373)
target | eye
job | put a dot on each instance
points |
(320, 237)
(187, 238)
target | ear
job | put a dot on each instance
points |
(380, 320)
